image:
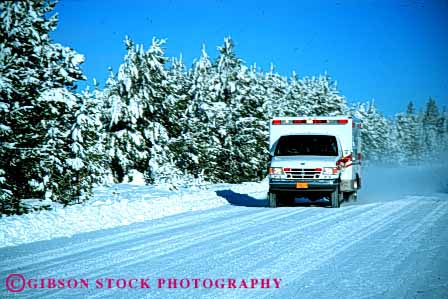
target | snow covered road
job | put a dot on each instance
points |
(377, 248)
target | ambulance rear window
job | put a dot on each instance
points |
(309, 145)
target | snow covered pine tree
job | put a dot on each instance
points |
(374, 132)
(140, 115)
(38, 108)
(241, 134)
(199, 138)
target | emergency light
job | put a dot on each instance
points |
(310, 121)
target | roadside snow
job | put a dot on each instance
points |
(121, 204)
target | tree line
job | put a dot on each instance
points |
(171, 123)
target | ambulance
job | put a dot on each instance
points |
(315, 158)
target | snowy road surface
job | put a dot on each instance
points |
(378, 247)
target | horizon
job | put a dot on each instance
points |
(389, 52)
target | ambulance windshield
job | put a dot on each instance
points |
(309, 145)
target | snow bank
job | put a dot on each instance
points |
(119, 205)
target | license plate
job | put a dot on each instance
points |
(301, 185)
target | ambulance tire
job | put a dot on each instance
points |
(350, 196)
(335, 198)
(273, 200)
(358, 182)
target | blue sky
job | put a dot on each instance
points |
(390, 51)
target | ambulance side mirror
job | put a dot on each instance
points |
(272, 150)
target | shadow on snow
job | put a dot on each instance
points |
(238, 199)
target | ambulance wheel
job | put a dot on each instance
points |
(335, 198)
(272, 197)
(350, 196)
(358, 183)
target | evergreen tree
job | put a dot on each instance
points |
(71, 159)
(200, 143)
(430, 122)
(140, 119)
(228, 88)
(37, 104)
(179, 85)
(413, 146)
(321, 96)
(125, 144)
(87, 145)
(408, 137)
(442, 133)
(276, 88)
(393, 149)
(252, 128)
(374, 133)
(242, 133)
(225, 127)
(297, 103)
(402, 138)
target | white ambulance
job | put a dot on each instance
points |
(314, 157)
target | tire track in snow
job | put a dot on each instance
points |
(169, 245)
(267, 252)
(417, 231)
(315, 251)
(198, 256)
(171, 224)
(106, 241)
(155, 251)
(232, 246)
(225, 245)
(216, 232)
(394, 248)
(142, 242)
(338, 246)
(325, 233)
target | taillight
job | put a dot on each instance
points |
(319, 121)
(344, 160)
(342, 121)
(299, 121)
(276, 122)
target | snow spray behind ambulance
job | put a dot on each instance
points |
(314, 157)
